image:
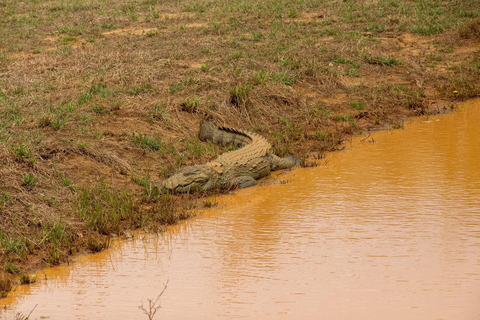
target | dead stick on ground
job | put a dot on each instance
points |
(153, 306)
(31, 312)
(369, 134)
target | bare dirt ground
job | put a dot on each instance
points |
(98, 98)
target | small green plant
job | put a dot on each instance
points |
(22, 152)
(97, 243)
(108, 25)
(5, 287)
(239, 95)
(262, 76)
(319, 135)
(375, 27)
(66, 182)
(342, 60)
(70, 30)
(151, 33)
(146, 142)
(16, 247)
(204, 67)
(27, 279)
(166, 210)
(196, 148)
(54, 122)
(50, 201)
(427, 30)
(151, 192)
(174, 88)
(67, 39)
(353, 35)
(342, 117)
(155, 14)
(292, 13)
(216, 27)
(57, 117)
(186, 82)
(352, 71)
(10, 267)
(143, 181)
(55, 233)
(256, 36)
(284, 77)
(190, 104)
(319, 110)
(58, 238)
(101, 89)
(29, 180)
(329, 31)
(4, 199)
(357, 105)
(140, 89)
(237, 55)
(84, 98)
(290, 130)
(97, 109)
(159, 112)
(383, 61)
(210, 202)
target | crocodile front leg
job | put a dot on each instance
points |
(243, 182)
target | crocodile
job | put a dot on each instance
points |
(239, 168)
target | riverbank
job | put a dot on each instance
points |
(100, 98)
(392, 221)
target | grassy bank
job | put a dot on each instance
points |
(98, 98)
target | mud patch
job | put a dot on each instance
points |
(195, 25)
(308, 17)
(129, 31)
(408, 44)
(305, 91)
(196, 65)
(338, 98)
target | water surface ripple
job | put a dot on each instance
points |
(386, 230)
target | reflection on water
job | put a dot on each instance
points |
(388, 230)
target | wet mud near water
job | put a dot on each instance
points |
(387, 229)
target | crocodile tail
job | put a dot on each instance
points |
(207, 130)
(210, 131)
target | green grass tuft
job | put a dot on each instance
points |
(357, 105)
(29, 181)
(146, 142)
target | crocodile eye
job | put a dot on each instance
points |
(189, 173)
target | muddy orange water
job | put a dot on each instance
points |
(385, 230)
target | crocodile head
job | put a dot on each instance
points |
(201, 177)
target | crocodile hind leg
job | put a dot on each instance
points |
(278, 163)
(243, 182)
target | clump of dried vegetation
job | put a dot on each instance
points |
(98, 98)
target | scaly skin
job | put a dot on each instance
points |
(240, 168)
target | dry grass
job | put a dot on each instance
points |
(106, 96)
(470, 30)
